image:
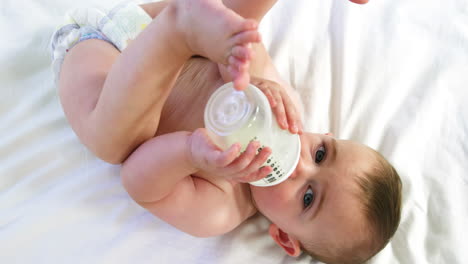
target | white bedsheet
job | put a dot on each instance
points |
(391, 74)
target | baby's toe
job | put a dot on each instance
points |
(241, 81)
(242, 52)
(245, 37)
(249, 24)
(241, 65)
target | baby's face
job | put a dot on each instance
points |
(318, 202)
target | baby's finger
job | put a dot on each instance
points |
(241, 162)
(292, 115)
(270, 97)
(256, 175)
(259, 160)
(226, 157)
(266, 90)
(261, 173)
(280, 114)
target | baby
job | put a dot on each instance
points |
(134, 93)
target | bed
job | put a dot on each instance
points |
(391, 74)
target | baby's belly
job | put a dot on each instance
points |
(184, 108)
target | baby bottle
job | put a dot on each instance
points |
(242, 116)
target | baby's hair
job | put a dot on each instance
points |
(381, 196)
(379, 191)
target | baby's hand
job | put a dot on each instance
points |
(230, 163)
(281, 104)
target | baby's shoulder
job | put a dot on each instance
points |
(236, 194)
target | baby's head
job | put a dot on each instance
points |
(341, 205)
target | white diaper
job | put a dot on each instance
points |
(117, 26)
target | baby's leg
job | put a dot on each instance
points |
(128, 97)
(217, 16)
(254, 9)
(239, 63)
(244, 8)
(261, 65)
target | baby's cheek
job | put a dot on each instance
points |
(267, 199)
(279, 198)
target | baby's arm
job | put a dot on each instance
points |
(157, 176)
(145, 172)
(179, 178)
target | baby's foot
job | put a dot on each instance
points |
(212, 30)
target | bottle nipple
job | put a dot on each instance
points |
(227, 111)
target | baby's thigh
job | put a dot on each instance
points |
(82, 76)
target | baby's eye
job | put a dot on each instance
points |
(320, 154)
(308, 197)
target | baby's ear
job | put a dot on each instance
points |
(290, 245)
(329, 134)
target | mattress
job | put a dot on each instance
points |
(390, 74)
